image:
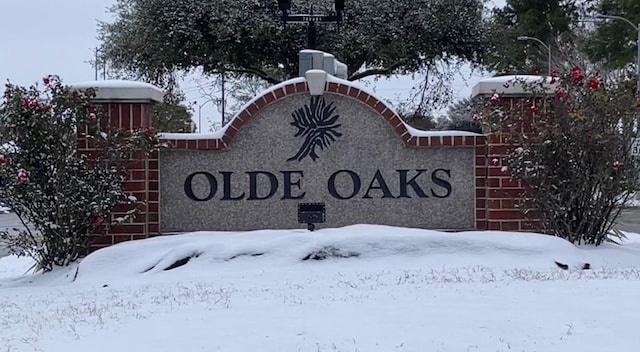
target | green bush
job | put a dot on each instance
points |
(574, 158)
(60, 195)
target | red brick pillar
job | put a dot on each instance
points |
(128, 105)
(504, 209)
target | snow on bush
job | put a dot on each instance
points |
(570, 148)
(64, 196)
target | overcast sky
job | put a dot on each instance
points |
(41, 37)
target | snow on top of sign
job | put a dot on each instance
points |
(194, 136)
(345, 82)
(420, 133)
(509, 84)
(220, 133)
(121, 89)
(113, 83)
(311, 51)
(269, 90)
(509, 78)
(412, 131)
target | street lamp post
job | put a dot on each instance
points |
(637, 29)
(200, 106)
(311, 19)
(524, 37)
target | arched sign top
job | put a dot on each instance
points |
(410, 136)
(299, 86)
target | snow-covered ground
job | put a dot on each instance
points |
(379, 289)
(634, 201)
(4, 209)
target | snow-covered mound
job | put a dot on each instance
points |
(357, 288)
(219, 252)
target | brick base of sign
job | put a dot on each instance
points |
(502, 208)
(496, 193)
(142, 181)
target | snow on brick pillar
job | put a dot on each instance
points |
(502, 204)
(128, 105)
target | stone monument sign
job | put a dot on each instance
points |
(329, 148)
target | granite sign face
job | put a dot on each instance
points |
(330, 149)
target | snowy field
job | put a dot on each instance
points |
(358, 288)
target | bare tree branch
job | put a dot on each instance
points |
(254, 71)
(376, 71)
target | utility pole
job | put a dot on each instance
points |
(95, 62)
(224, 98)
(96, 65)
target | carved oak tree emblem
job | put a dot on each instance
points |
(315, 122)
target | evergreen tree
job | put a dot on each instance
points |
(613, 43)
(152, 38)
(463, 116)
(172, 115)
(545, 20)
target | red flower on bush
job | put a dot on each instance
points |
(594, 83)
(3, 159)
(48, 107)
(22, 175)
(495, 98)
(25, 102)
(554, 77)
(99, 220)
(495, 162)
(46, 80)
(504, 170)
(476, 117)
(576, 73)
(149, 133)
(617, 165)
(533, 108)
(505, 84)
(558, 93)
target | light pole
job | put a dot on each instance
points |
(524, 37)
(311, 19)
(637, 29)
(200, 106)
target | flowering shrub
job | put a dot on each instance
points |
(570, 149)
(60, 195)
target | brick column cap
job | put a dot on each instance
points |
(509, 85)
(122, 91)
